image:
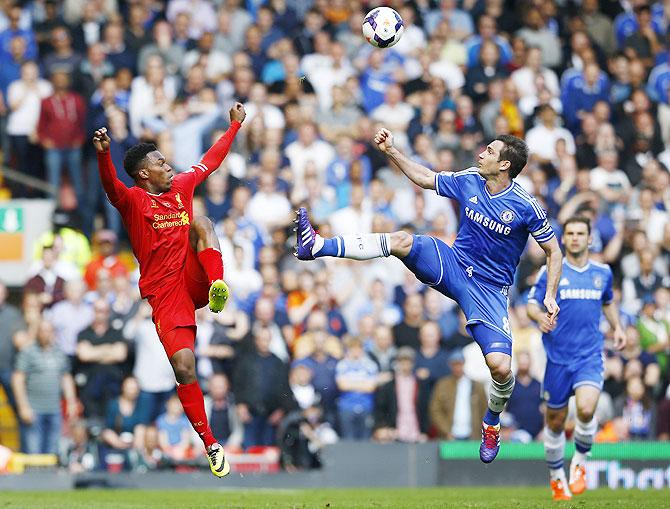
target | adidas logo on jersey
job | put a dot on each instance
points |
(564, 282)
(473, 199)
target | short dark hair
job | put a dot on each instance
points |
(135, 156)
(515, 151)
(578, 219)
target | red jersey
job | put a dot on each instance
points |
(158, 224)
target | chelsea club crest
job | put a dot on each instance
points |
(507, 216)
(598, 282)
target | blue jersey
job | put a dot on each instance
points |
(582, 292)
(493, 229)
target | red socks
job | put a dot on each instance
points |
(211, 261)
(193, 402)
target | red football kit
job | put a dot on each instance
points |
(171, 276)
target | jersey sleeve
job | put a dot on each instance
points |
(537, 223)
(537, 292)
(116, 190)
(449, 184)
(608, 293)
(213, 158)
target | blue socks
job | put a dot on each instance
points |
(329, 248)
(492, 418)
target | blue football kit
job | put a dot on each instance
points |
(479, 269)
(575, 347)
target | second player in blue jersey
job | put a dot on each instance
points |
(574, 346)
(497, 215)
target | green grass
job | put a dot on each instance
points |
(424, 498)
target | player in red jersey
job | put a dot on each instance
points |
(181, 268)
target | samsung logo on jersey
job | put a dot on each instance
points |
(580, 293)
(487, 222)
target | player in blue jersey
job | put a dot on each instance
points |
(497, 215)
(574, 346)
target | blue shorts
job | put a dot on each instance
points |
(561, 380)
(484, 304)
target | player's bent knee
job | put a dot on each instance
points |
(555, 420)
(183, 364)
(500, 366)
(401, 243)
(585, 413)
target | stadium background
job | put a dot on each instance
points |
(585, 84)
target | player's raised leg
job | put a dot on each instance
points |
(359, 246)
(554, 451)
(179, 344)
(586, 397)
(206, 244)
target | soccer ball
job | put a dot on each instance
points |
(383, 27)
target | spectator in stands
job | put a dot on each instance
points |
(356, 377)
(60, 131)
(526, 402)
(152, 369)
(636, 410)
(101, 354)
(382, 350)
(47, 284)
(79, 453)
(406, 333)
(396, 415)
(107, 243)
(300, 382)
(487, 31)
(458, 403)
(542, 138)
(174, 431)
(323, 365)
(580, 92)
(24, 96)
(221, 412)
(63, 57)
(536, 33)
(11, 322)
(431, 364)
(42, 371)
(124, 427)
(70, 316)
(13, 30)
(262, 394)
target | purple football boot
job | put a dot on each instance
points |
(305, 236)
(488, 450)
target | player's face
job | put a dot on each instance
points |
(158, 172)
(489, 159)
(576, 238)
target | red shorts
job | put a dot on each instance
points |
(174, 307)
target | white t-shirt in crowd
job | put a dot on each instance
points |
(23, 120)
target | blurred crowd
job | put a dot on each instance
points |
(305, 354)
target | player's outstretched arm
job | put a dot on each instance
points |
(417, 173)
(218, 152)
(554, 265)
(115, 189)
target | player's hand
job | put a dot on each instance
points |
(620, 338)
(101, 140)
(552, 309)
(384, 140)
(238, 113)
(545, 325)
